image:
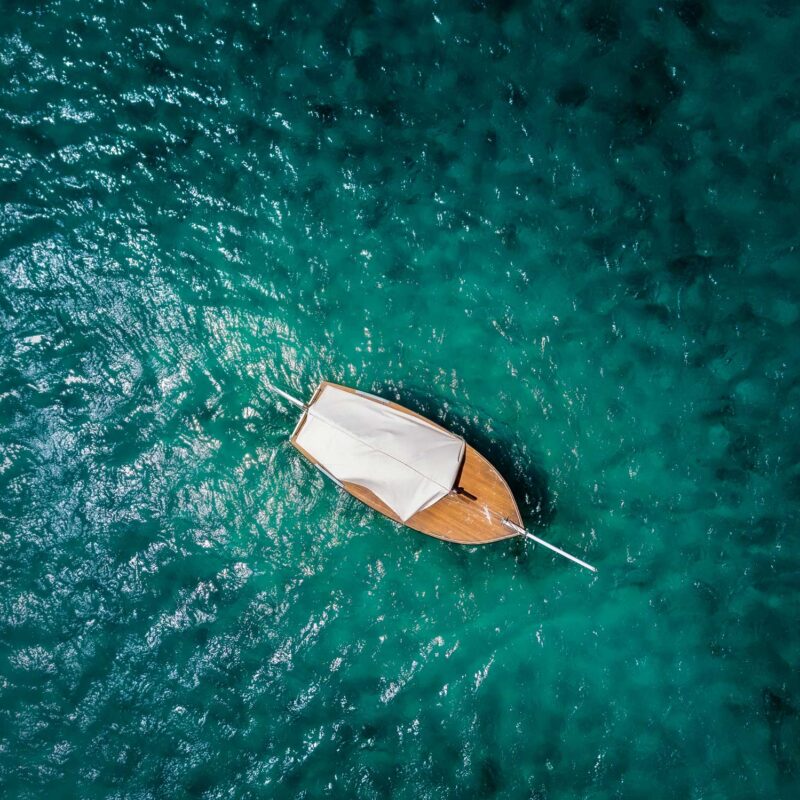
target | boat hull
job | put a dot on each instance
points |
(473, 514)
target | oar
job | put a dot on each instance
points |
(293, 400)
(523, 532)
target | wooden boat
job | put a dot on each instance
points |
(407, 467)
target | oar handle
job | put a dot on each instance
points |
(522, 532)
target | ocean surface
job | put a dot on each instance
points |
(566, 230)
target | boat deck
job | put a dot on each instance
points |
(472, 515)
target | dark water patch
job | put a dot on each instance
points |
(496, 9)
(712, 31)
(777, 708)
(325, 112)
(509, 236)
(651, 89)
(602, 19)
(688, 268)
(515, 95)
(490, 780)
(692, 12)
(572, 95)
(782, 720)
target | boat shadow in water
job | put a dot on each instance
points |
(504, 448)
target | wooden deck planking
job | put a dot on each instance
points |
(473, 516)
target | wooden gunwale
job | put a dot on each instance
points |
(473, 515)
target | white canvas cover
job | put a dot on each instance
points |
(407, 462)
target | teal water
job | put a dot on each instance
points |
(567, 230)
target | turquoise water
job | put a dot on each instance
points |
(567, 230)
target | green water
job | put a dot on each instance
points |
(567, 230)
